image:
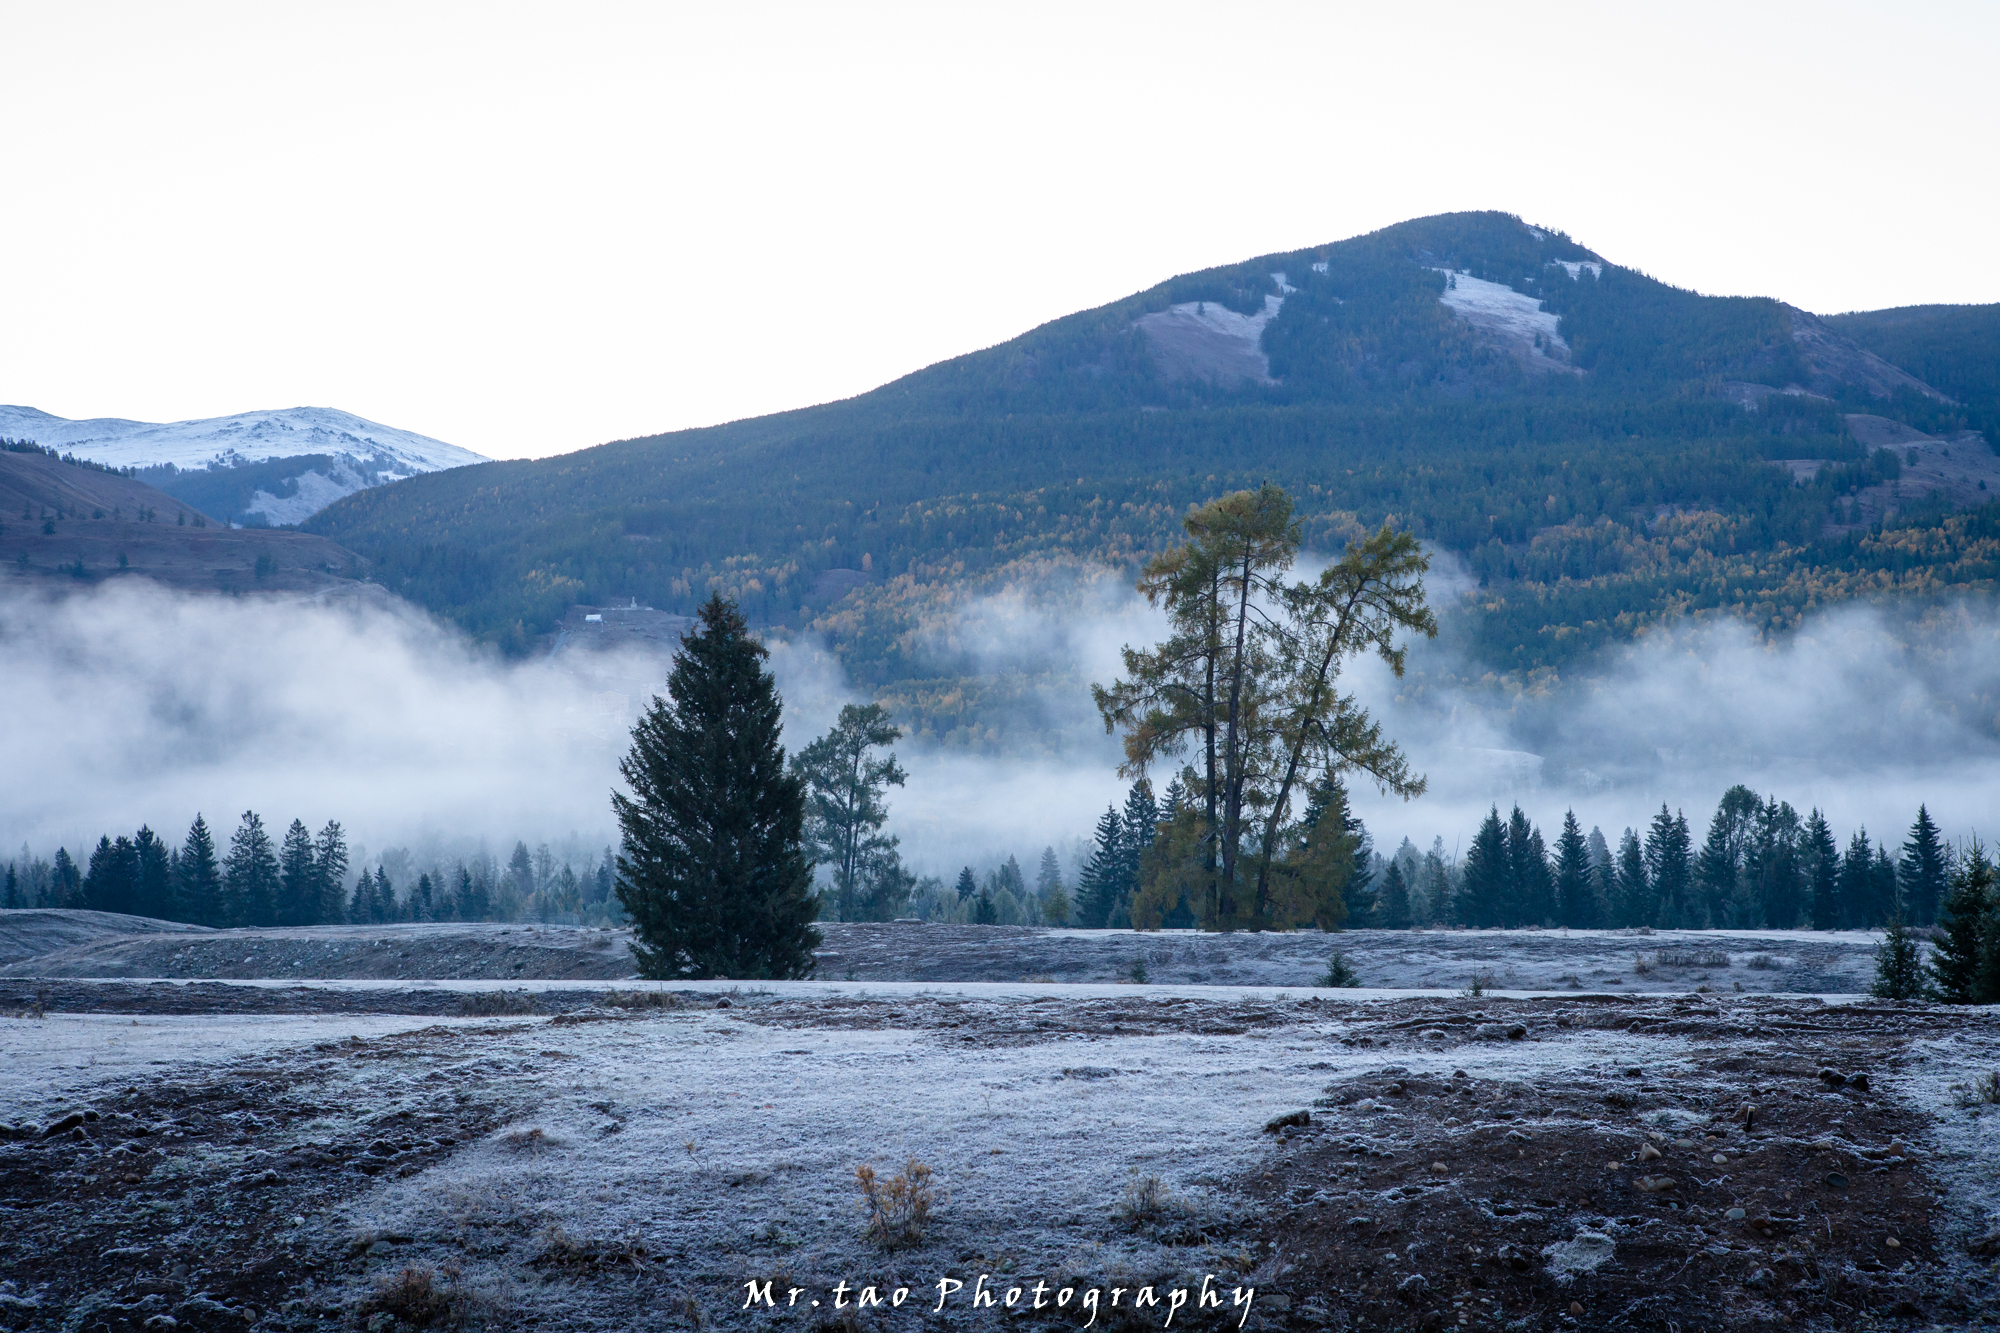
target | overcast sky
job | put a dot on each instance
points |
(527, 229)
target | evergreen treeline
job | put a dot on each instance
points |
(1760, 866)
(303, 879)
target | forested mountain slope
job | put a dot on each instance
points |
(1601, 448)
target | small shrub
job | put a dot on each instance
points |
(494, 1003)
(1640, 966)
(526, 1140)
(1761, 962)
(1477, 985)
(899, 1208)
(414, 1297)
(1339, 972)
(1138, 973)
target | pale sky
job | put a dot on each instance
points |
(525, 229)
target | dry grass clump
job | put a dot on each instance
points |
(1762, 962)
(1146, 1199)
(1980, 1090)
(416, 1298)
(899, 1208)
(530, 1141)
(580, 1255)
(495, 1003)
(642, 999)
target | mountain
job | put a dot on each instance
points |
(1601, 450)
(255, 468)
(68, 522)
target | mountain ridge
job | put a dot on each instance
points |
(1601, 449)
(272, 467)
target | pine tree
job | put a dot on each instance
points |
(1822, 872)
(967, 885)
(298, 885)
(12, 899)
(1719, 866)
(1635, 902)
(107, 883)
(1483, 893)
(1576, 879)
(714, 869)
(1964, 926)
(1142, 818)
(65, 881)
(1530, 890)
(200, 880)
(1670, 867)
(1329, 810)
(250, 874)
(1899, 964)
(844, 785)
(1049, 891)
(329, 867)
(1777, 886)
(422, 906)
(1857, 870)
(1925, 870)
(1885, 890)
(1103, 882)
(154, 878)
(1393, 903)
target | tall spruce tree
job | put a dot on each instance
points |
(1393, 902)
(1885, 890)
(1925, 870)
(110, 882)
(1719, 866)
(1635, 904)
(1777, 897)
(65, 881)
(200, 879)
(714, 869)
(1483, 891)
(1964, 927)
(1576, 879)
(1105, 880)
(153, 880)
(1670, 867)
(1142, 820)
(298, 885)
(1822, 872)
(250, 874)
(967, 886)
(1531, 892)
(1857, 870)
(329, 863)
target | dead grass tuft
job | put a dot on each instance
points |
(1762, 962)
(415, 1297)
(643, 999)
(1691, 958)
(899, 1208)
(530, 1141)
(496, 1003)
(581, 1255)
(1980, 1090)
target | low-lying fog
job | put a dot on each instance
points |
(131, 704)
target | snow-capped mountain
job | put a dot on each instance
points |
(257, 467)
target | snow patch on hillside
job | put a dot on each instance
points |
(1576, 267)
(1514, 321)
(1208, 341)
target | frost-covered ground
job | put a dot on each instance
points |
(1514, 321)
(59, 944)
(635, 1160)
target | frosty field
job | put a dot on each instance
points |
(381, 1152)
